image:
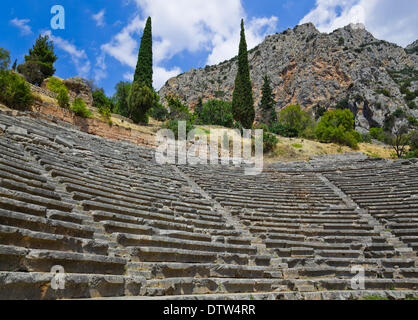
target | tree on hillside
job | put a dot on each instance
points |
(39, 64)
(142, 96)
(14, 66)
(242, 100)
(199, 107)
(267, 104)
(143, 72)
(4, 59)
(141, 100)
(399, 140)
(121, 98)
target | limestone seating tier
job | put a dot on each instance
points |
(122, 225)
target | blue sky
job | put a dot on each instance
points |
(101, 38)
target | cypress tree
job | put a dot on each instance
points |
(242, 100)
(267, 103)
(199, 107)
(143, 72)
(142, 96)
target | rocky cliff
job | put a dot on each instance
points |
(348, 67)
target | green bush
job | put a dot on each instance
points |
(173, 125)
(217, 112)
(55, 85)
(79, 108)
(377, 134)
(178, 111)
(141, 100)
(413, 121)
(14, 91)
(338, 126)
(159, 112)
(270, 142)
(63, 99)
(284, 130)
(4, 59)
(294, 119)
(366, 137)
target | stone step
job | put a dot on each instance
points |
(40, 240)
(37, 200)
(198, 270)
(184, 286)
(22, 187)
(282, 295)
(129, 240)
(155, 254)
(34, 223)
(37, 286)
(36, 260)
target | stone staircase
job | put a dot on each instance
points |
(120, 225)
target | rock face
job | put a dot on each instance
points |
(78, 88)
(348, 67)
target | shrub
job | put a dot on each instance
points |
(217, 112)
(32, 72)
(178, 111)
(63, 99)
(343, 104)
(385, 92)
(79, 108)
(173, 125)
(14, 91)
(284, 130)
(366, 137)
(55, 85)
(270, 142)
(4, 59)
(141, 100)
(296, 120)
(159, 112)
(377, 134)
(413, 121)
(338, 126)
(341, 41)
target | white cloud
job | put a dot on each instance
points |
(79, 57)
(123, 47)
(100, 18)
(389, 20)
(23, 26)
(161, 75)
(100, 68)
(188, 25)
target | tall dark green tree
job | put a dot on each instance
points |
(199, 107)
(143, 72)
(39, 64)
(242, 99)
(121, 98)
(142, 96)
(267, 103)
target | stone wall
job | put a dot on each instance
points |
(92, 126)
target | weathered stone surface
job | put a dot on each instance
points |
(78, 88)
(17, 130)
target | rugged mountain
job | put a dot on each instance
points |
(347, 68)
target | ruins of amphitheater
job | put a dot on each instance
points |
(120, 225)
